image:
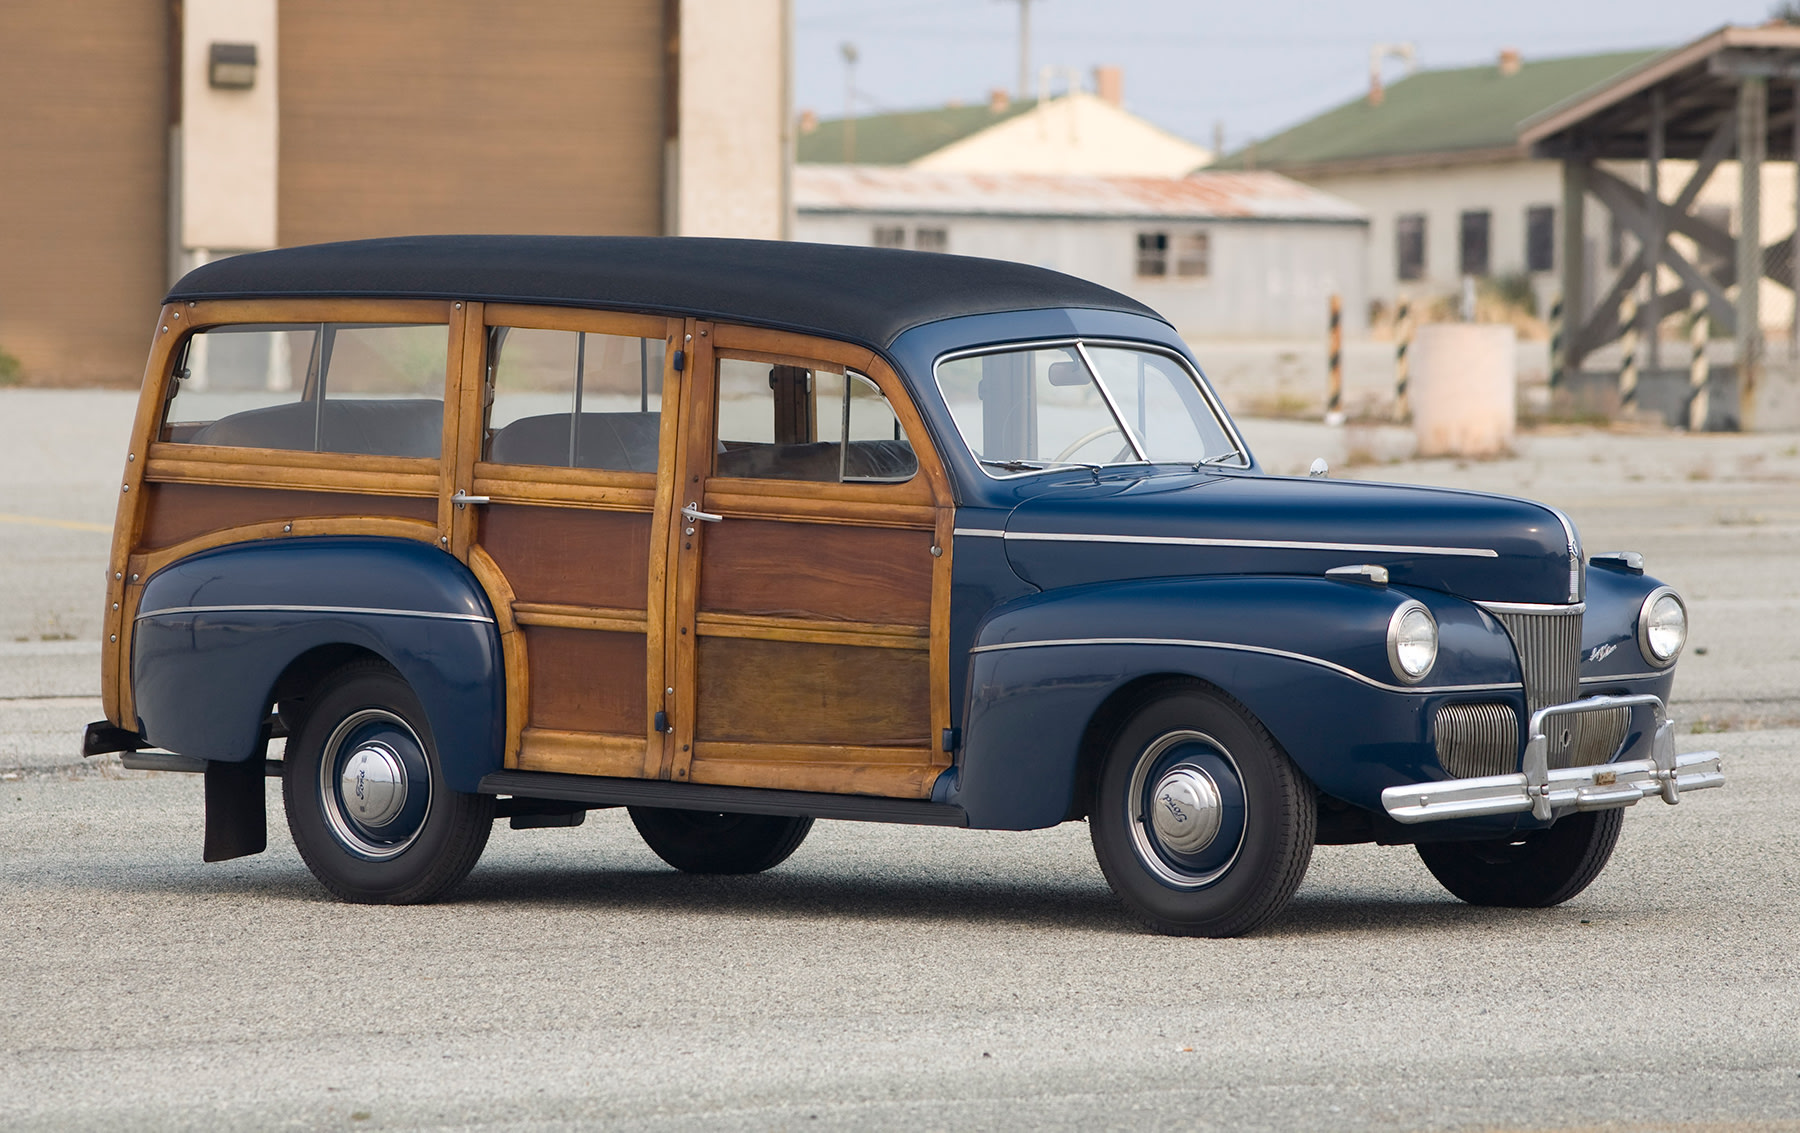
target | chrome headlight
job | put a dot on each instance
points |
(1412, 642)
(1662, 626)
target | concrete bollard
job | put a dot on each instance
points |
(1464, 389)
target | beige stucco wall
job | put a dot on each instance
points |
(1078, 133)
(228, 139)
(729, 163)
(1507, 189)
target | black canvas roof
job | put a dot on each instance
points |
(865, 295)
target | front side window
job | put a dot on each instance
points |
(370, 389)
(1031, 408)
(807, 422)
(574, 399)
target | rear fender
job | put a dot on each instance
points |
(1306, 656)
(217, 630)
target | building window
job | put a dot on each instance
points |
(1152, 255)
(890, 236)
(1409, 246)
(1193, 255)
(931, 239)
(1540, 238)
(1475, 242)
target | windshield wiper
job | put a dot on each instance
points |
(1014, 465)
(1234, 453)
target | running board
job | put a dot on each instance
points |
(597, 791)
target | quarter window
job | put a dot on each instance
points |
(574, 399)
(807, 421)
(371, 389)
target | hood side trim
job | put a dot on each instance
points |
(1265, 544)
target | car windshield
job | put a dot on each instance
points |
(1025, 409)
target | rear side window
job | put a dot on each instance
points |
(371, 389)
(574, 399)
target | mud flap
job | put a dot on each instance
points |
(237, 821)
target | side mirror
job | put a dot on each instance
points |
(1319, 467)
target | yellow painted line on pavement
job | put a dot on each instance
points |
(65, 524)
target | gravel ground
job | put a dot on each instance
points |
(898, 977)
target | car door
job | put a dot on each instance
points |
(810, 571)
(569, 470)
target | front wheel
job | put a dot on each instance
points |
(366, 799)
(1202, 825)
(698, 841)
(1529, 871)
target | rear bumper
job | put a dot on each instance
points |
(1545, 792)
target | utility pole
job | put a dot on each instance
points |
(848, 50)
(1024, 47)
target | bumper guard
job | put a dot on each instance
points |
(1543, 791)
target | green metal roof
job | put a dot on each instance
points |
(1435, 112)
(901, 137)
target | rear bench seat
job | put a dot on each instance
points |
(367, 426)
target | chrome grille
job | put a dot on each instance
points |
(1477, 739)
(1549, 648)
(1598, 736)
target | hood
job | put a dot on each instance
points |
(1480, 547)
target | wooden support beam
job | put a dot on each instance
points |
(1753, 105)
(1652, 316)
(1574, 263)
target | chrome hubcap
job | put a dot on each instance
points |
(1186, 809)
(1184, 812)
(373, 785)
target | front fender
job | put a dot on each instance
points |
(216, 630)
(1306, 656)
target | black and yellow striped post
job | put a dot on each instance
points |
(1628, 356)
(1699, 368)
(1557, 361)
(1403, 334)
(1334, 398)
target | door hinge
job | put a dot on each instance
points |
(680, 361)
(952, 738)
(662, 721)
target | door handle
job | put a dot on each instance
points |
(461, 497)
(693, 514)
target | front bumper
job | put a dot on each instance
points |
(1544, 792)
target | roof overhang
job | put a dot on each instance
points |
(1399, 162)
(1698, 85)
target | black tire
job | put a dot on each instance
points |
(699, 841)
(1533, 871)
(365, 716)
(1264, 808)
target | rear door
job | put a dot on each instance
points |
(808, 614)
(575, 436)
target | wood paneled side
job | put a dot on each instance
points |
(179, 512)
(581, 753)
(790, 769)
(754, 691)
(570, 556)
(861, 574)
(586, 680)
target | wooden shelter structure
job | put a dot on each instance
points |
(1734, 93)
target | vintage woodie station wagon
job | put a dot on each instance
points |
(739, 535)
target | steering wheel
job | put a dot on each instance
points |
(1089, 438)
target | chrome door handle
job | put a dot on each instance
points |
(461, 497)
(693, 514)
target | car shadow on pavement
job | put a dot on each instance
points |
(801, 895)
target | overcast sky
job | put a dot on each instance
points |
(1257, 67)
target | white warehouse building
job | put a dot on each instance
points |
(1220, 255)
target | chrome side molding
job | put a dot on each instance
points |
(1543, 791)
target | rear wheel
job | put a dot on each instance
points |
(698, 841)
(1530, 871)
(366, 799)
(1201, 824)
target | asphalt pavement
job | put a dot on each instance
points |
(908, 977)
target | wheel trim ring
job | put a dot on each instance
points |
(1143, 840)
(347, 831)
